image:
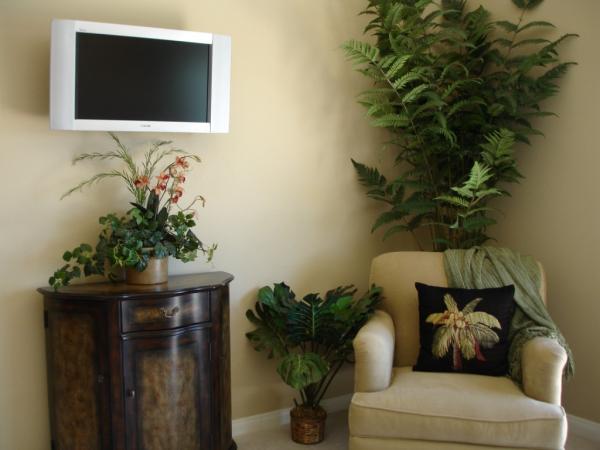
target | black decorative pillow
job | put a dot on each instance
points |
(464, 330)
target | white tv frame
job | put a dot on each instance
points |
(62, 78)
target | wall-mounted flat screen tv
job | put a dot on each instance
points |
(129, 78)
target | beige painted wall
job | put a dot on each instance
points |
(554, 212)
(282, 199)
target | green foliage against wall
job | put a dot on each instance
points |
(456, 90)
(311, 337)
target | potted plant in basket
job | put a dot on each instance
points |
(312, 339)
(156, 227)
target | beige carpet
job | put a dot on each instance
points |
(336, 438)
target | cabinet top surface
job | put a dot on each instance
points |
(176, 284)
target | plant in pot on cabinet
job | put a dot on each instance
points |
(312, 339)
(156, 227)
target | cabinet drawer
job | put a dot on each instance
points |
(165, 313)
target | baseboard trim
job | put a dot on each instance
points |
(274, 419)
(584, 428)
(578, 426)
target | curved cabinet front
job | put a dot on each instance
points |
(140, 368)
(167, 391)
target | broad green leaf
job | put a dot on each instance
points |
(301, 370)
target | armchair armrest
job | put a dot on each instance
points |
(374, 353)
(543, 361)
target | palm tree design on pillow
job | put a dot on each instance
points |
(467, 331)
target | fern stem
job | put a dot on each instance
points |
(514, 36)
(433, 230)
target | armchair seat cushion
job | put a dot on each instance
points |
(460, 408)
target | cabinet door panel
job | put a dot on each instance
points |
(167, 391)
(75, 380)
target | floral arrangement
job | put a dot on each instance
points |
(156, 225)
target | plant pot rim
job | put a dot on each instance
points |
(308, 412)
(150, 252)
(156, 272)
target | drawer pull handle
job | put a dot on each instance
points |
(169, 313)
(131, 393)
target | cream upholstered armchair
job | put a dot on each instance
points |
(395, 408)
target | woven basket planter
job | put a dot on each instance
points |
(308, 424)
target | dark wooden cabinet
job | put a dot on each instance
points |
(140, 367)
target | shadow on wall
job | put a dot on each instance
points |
(26, 50)
(25, 80)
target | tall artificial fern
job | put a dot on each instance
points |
(456, 90)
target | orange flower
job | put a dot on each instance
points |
(141, 182)
(181, 162)
(177, 193)
(162, 177)
(159, 188)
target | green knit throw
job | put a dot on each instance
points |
(489, 267)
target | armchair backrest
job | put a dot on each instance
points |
(397, 274)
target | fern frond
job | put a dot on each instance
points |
(369, 176)
(393, 15)
(498, 146)
(536, 23)
(507, 26)
(391, 121)
(397, 66)
(458, 84)
(477, 223)
(532, 41)
(393, 230)
(403, 81)
(479, 175)
(361, 52)
(388, 217)
(415, 93)
(454, 200)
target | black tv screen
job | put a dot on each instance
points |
(132, 78)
